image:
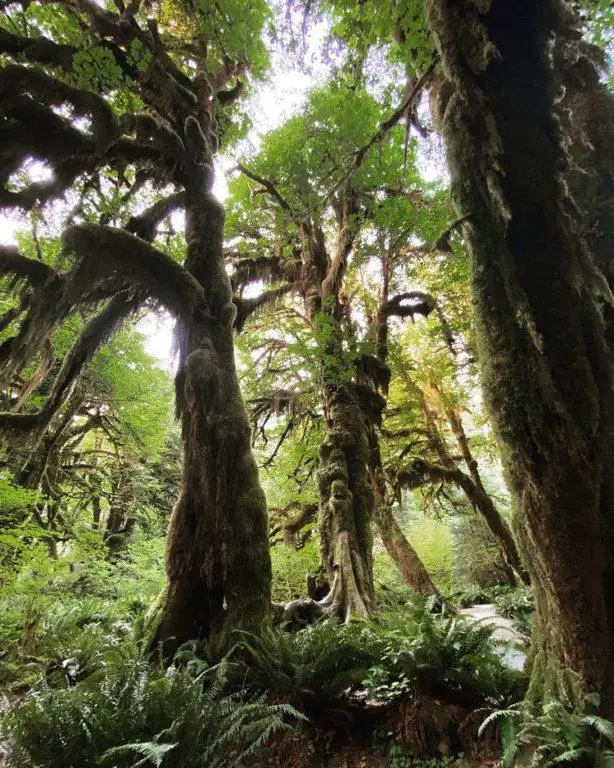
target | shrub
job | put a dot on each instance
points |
(310, 668)
(435, 655)
(131, 712)
(517, 605)
(290, 569)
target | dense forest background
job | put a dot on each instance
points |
(306, 350)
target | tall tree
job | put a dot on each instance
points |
(129, 113)
(547, 371)
(313, 208)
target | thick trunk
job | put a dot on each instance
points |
(547, 371)
(588, 114)
(346, 509)
(217, 560)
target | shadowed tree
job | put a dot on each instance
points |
(129, 113)
(547, 368)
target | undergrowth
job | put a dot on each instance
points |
(131, 712)
(554, 734)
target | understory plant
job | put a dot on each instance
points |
(415, 650)
(311, 668)
(441, 656)
(517, 605)
(554, 734)
(132, 712)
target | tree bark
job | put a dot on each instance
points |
(346, 507)
(217, 561)
(547, 371)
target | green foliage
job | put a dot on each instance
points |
(554, 735)
(440, 656)
(130, 712)
(372, 23)
(95, 68)
(14, 498)
(57, 616)
(519, 606)
(131, 382)
(400, 758)
(310, 668)
(468, 596)
(432, 539)
(291, 568)
(478, 560)
(411, 651)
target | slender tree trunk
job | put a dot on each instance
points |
(397, 544)
(547, 371)
(479, 497)
(406, 558)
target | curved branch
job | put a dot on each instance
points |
(40, 50)
(15, 79)
(246, 307)
(422, 304)
(111, 250)
(89, 341)
(21, 267)
(145, 224)
(267, 185)
(384, 129)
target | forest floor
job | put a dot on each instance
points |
(351, 744)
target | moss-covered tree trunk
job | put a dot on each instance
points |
(346, 502)
(346, 508)
(217, 560)
(547, 372)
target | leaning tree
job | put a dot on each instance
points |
(125, 106)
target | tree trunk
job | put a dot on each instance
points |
(547, 372)
(397, 545)
(346, 507)
(218, 562)
(479, 497)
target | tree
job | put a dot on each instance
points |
(319, 190)
(141, 107)
(546, 366)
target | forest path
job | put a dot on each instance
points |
(503, 631)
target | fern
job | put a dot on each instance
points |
(151, 751)
(553, 734)
(133, 713)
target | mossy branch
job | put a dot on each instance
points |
(115, 250)
(247, 307)
(16, 80)
(21, 267)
